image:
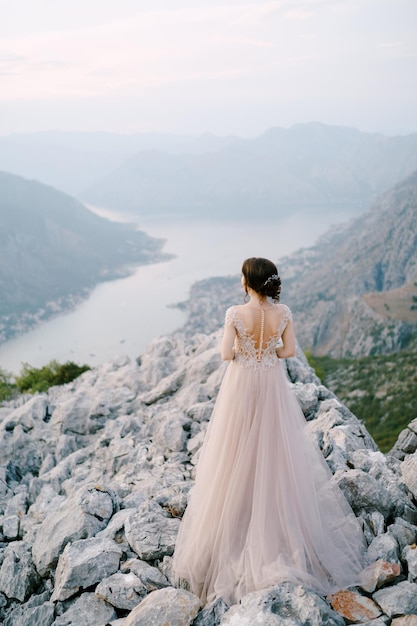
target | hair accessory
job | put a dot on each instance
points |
(268, 280)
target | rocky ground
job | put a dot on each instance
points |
(94, 478)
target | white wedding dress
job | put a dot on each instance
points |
(264, 507)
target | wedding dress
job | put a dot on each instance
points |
(264, 507)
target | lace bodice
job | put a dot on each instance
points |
(250, 352)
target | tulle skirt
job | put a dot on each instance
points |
(264, 507)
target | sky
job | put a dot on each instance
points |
(191, 67)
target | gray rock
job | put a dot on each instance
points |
(409, 555)
(84, 563)
(87, 610)
(364, 492)
(123, 591)
(401, 599)
(287, 604)
(165, 567)
(150, 533)
(373, 525)
(150, 577)
(405, 533)
(406, 620)
(409, 473)
(18, 576)
(80, 516)
(307, 396)
(15, 510)
(38, 611)
(175, 607)
(384, 547)
(212, 614)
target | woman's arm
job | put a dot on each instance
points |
(288, 339)
(228, 341)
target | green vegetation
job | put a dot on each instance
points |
(379, 390)
(32, 379)
(7, 386)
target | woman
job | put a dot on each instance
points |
(264, 507)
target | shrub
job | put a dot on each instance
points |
(40, 379)
(7, 387)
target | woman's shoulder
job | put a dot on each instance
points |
(285, 309)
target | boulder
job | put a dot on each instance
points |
(81, 516)
(354, 607)
(150, 577)
(87, 610)
(378, 574)
(287, 604)
(400, 599)
(150, 532)
(409, 555)
(18, 575)
(38, 611)
(212, 614)
(123, 591)
(84, 563)
(175, 607)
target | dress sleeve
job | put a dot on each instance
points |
(229, 319)
(287, 313)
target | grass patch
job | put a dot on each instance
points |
(380, 390)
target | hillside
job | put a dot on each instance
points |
(52, 249)
(95, 477)
(352, 294)
(380, 390)
(308, 167)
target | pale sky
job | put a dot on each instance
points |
(227, 67)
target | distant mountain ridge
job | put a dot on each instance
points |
(53, 249)
(73, 161)
(352, 294)
(307, 167)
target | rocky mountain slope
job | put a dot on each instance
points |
(94, 478)
(52, 249)
(308, 167)
(353, 293)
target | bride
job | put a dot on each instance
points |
(264, 507)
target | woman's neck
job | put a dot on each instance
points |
(258, 301)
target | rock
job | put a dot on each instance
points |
(364, 492)
(150, 533)
(211, 614)
(409, 554)
(84, 563)
(401, 599)
(80, 516)
(379, 621)
(384, 547)
(307, 396)
(373, 525)
(287, 604)
(175, 607)
(18, 576)
(150, 577)
(38, 611)
(123, 591)
(406, 620)
(409, 473)
(15, 510)
(87, 610)
(353, 607)
(404, 533)
(378, 574)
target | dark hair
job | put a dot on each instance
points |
(261, 275)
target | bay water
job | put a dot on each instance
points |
(124, 315)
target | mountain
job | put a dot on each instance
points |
(72, 161)
(53, 249)
(354, 293)
(95, 477)
(307, 167)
